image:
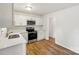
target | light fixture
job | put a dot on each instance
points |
(28, 7)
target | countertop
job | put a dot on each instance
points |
(5, 42)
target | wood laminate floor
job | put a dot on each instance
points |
(47, 47)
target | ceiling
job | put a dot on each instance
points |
(42, 8)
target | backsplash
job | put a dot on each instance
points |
(21, 29)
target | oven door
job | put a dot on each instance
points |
(32, 35)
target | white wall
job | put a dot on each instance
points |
(5, 14)
(66, 27)
(49, 24)
(46, 26)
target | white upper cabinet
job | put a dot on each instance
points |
(39, 21)
(21, 20)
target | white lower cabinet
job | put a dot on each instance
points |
(40, 35)
(25, 35)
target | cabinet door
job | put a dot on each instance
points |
(40, 35)
(19, 20)
(38, 21)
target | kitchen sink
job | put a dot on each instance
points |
(13, 36)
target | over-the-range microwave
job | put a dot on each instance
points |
(30, 22)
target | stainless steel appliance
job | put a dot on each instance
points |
(32, 34)
(31, 22)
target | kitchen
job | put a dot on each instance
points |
(39, 28)
(16, 19)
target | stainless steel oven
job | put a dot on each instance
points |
(32, 34)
